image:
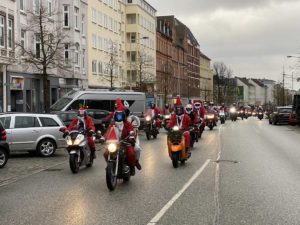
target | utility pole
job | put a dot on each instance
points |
(283, 87)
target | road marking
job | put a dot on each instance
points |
(160, 214)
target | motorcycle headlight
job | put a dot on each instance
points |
(232, 110)
(69, 140)
(210, 116)
(167, 116)
(175, 128)
(148, 118)
(112, 147)
(242, 111)
(78, 139)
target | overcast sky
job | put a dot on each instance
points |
(252, 37)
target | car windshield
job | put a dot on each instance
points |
(285, 110)
(60, 104)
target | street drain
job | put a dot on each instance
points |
(52, 169)
(227, 160)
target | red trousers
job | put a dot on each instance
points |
(187, 137)
(91, 143)
(130, 155)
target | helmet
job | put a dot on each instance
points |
(82, 111)
(166, 105)
(188, 108)
(211, 103)
(234, 104)
(152, 105)
(223, 104)
(179, 110)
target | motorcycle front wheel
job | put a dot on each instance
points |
(74, 164)
(111, 178)
(175, 159)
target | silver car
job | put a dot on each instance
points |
(33, 132)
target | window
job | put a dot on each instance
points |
(83, 59)
(100, 43)
(23, 41)
(129, 1)
(100, 18)
(5, 121)
(10, 33)
(82, 25)
(100, 68)
(2, 38)
(37, 45)
(49, 7)
(94, 15)
(66, 16)
(77, 55)
(66, 54)
(36, 6)
(76, 105)
(22, 5)
(76, 12)
(26, 122)
(94, 41)
(48, 122)
(94, 66)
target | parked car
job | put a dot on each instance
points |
(100, 117)
(280, 115)
(4, 148)
(33, 132)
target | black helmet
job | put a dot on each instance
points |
(179, 110)
(166, 105)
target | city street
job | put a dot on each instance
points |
(244, 172)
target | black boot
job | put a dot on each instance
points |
(138, 165)
(188, 152)
(93, 155)
(132, 171)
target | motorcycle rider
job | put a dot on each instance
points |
(135, 122)
(183, 121)
(77, 123)
(199, 108)
(124, 130)
(155, 114)
(167, 110)
(213, 110)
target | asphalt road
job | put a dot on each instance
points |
(244, 172)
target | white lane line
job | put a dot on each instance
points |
(160, 214)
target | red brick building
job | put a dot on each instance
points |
(177, 61)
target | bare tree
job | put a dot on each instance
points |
(224, 84)
(113, 62)
(47, 33)
(142, 63)
(168, 71)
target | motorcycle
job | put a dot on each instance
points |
(176, 146)
(77, 147)
(222, 116)
(241, 114)
(233, 114)
(193, 134)
(260, 115)
(150, 128)
(166, 119)
(210, 120)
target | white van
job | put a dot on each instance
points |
(100, 99)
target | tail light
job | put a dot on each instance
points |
(3, 135)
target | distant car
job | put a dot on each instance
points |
(4, 148)
(280, 115)
(100, 117)
(33, 132)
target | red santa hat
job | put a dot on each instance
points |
(112, 135)
(119, 107)
(82, 110)
(178, 101)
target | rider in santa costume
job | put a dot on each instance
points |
(182, 120)
(122, 129)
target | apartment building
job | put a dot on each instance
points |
(106, 43)
(8, 14)
(206, 78)
(140, 42)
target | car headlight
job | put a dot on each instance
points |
(112, 147)
(69, 140)
(148, 118)
(175, 128)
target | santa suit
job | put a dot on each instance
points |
(89, 125)
(154, 113)
(183, 122)
(123, 132)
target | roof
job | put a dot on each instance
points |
(245, 81)
(258, 82)
(204, 56)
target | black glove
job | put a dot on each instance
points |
(65, 134)
(91, 133)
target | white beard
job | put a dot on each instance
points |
(119, 126)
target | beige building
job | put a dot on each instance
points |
(140, 46)
(105, 43)
(206, 78)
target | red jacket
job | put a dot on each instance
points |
(125, 132)
(183, 125)
(89, 124)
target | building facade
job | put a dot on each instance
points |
(140, 44)
(206, 78)
(105, 43)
